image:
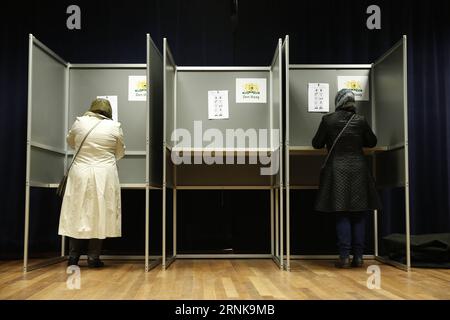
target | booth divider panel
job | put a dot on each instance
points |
(47, 118)
(155, 85)
(276, 98)
(303, 124)
(389, 99)
(285, 89)
(170, 71)
(48, 100)
(46, 166)
(132, 169)
(192, 101)
(276, 112)
(87, 84)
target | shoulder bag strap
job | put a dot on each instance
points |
(81, 144)
(336, 140)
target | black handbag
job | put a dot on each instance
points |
(335, 141)
(62, 185)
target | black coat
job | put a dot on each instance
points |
(346, 182)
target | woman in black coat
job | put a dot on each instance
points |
(346, 184)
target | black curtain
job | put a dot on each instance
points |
(203, 32)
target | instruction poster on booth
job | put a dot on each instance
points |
(358, 84)
(218, 105)
(114, 105)
(137, 88)
(251, 90)
(318, 97)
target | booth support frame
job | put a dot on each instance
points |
(289, 150)
(66, 153)
(274, 199)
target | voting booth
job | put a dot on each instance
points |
(381, 93)
(222, 132)
(58, 92)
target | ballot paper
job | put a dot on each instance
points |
(113, 101)
(318, 97)
(218, 105)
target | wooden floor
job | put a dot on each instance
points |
(222, 279)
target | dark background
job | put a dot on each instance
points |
(205, 32)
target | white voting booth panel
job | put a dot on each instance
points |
(88, 82)
(385, 108)
(188, 107)
(59, 92)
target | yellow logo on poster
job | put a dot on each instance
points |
(141, 85)
(354, 85)
(251, 88)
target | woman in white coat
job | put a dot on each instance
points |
(91, 207)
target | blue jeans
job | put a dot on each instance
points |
(351, 233)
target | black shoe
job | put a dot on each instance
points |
(95, 263)
(357, 262)
(343, 263)
(72, 261)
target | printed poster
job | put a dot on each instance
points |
(251, 90)
(358, 84)
(137, 88)
(318, 97)
(218, 105)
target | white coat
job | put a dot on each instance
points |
(91, 207)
